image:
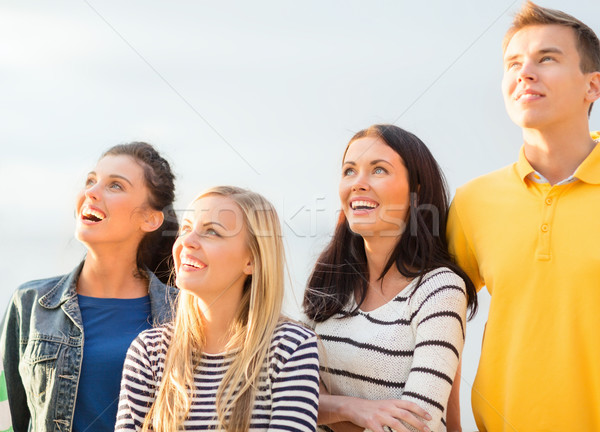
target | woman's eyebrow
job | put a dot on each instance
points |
(120, 177)
(376, 161)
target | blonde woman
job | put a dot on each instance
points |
(230, 361)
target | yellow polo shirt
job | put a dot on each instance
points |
(537, 249)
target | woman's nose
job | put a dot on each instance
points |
(191, 240)
(360, 183)
(92, 192)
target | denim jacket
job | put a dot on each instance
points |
(42, 349)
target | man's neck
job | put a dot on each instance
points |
(556, 154)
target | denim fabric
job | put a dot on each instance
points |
(42, 348)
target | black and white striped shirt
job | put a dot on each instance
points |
(286, 399)
(409, 348)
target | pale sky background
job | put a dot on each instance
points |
(261, 94)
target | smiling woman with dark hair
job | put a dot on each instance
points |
(64, 339)
(386, 299)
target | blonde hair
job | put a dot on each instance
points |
(258, 315)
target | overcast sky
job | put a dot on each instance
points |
(258, 94)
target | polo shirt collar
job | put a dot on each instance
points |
(524, 168)
(588, 171)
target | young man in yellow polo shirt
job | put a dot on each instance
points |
(530, 232)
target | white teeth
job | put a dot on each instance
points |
(92, 212)
(368, 204)
(528, 96)
(191, 263)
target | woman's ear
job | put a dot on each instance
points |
(153, 219)
(249, 268)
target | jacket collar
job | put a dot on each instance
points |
(64, 289)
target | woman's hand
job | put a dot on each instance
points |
(336, 411)
(375, 415)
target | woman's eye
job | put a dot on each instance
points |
(89, 182)
(116, 186)
(379, 170)
(211, 232)
(545, 59)
(348, 171)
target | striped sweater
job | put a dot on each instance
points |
(409, 348)
(287, 398)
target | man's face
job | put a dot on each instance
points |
(543, 85)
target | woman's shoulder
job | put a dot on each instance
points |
(289, 335)
(162, 332)
(154, 340)
(38, 286)
(441, 279)
(29, 293)
(293, 346)
(49, 292)
(163, 298)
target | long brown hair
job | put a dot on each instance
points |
(342, 270)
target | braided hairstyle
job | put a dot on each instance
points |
(154, 251)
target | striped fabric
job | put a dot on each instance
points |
(5, 421)
(408, 348)
(287, 397)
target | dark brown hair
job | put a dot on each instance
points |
(154, 251)
(342, 270)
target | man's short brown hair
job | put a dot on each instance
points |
(587, 42)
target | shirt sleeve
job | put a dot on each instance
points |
(138, 388)
(10, 353)
(295, 388)
(460, 246)
(439, 323)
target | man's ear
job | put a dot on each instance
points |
(153, 219)
(593, 91)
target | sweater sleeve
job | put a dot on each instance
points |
(439, 323)
(295, 387)
(138, 388)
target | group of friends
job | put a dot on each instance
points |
(160, 332)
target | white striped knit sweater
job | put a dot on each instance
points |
(409, 348)
(286, 399)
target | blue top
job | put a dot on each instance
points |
(110, 326)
